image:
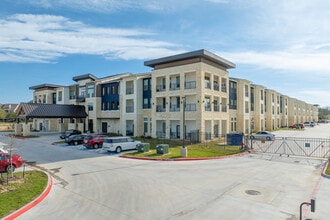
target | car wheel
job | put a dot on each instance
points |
(96, 146)
(118, 149)
(252, 137)
(268, 138)
(10, 168)
(75, 142)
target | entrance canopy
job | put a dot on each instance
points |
(37, 110)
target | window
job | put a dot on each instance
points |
(72, 93)
(90, 90)
(145, 125)
(60, 96)
(90, 106)
(207, 82)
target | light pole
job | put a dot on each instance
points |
(183, 149)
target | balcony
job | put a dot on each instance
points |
(190, 108)
(160, 88)
(174, 108)
(223, 87)
(207, 85)
(160, 108)
(81, 98)
(129, 91)
(190, 85)
(174, 86)
(207, 107)
(129, 108)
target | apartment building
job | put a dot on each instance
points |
(190, 90)
(189, 95)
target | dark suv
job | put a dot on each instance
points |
(68, 133)
(94, 140)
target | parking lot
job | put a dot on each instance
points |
(91, 184)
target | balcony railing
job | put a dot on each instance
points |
(190, 85)
(160, 134)
(174, 86)
(223, 87)
(146, 106)
(129, 91)
(174, 108)
(129, 108)
(190, 107)
(207, 85)
(146, 88)
(160, 88)
(160, 108)
(208, 107)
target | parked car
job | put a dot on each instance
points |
(75, 139)
(297, 126)
(119, 143)
(3, 150)
(309, 123)
(6, 166)
(263, 135)
(94, 141)
(68, 133)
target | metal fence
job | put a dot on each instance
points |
(306, 147)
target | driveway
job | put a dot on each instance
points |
(95, 185)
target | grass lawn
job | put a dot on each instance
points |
(20, 191)
(200, 150)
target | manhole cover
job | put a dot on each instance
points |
(252, 192)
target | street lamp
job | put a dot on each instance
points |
(183, 149)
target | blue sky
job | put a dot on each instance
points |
(283, 45)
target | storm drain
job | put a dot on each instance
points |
(252, 192)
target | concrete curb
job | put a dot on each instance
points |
(185, 159)
(35, 202)
(325, 168)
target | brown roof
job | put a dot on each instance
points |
(37, 110)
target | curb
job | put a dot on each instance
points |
(324, 169)
(185, 159)
(32, 204)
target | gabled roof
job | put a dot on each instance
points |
(198, 53)
(37, 110)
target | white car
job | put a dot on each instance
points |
(119, 144)
(263, 135)
(3, 150)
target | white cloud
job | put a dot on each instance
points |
(112, 6)
(284, 60)
(44, 38)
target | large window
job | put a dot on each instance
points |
(90, 91)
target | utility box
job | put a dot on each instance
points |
(143, 147)
(162, 148)
(235, 139)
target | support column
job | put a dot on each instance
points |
(26, 130)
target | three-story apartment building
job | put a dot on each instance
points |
(189, 95)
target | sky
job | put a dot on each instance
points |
(280, 44)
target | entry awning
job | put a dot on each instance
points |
(37, 110)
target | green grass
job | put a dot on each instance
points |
(20, 192)
(327, 171)
(201, 150)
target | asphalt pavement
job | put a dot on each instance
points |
(91, 184)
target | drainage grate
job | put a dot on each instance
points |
(252, 192)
